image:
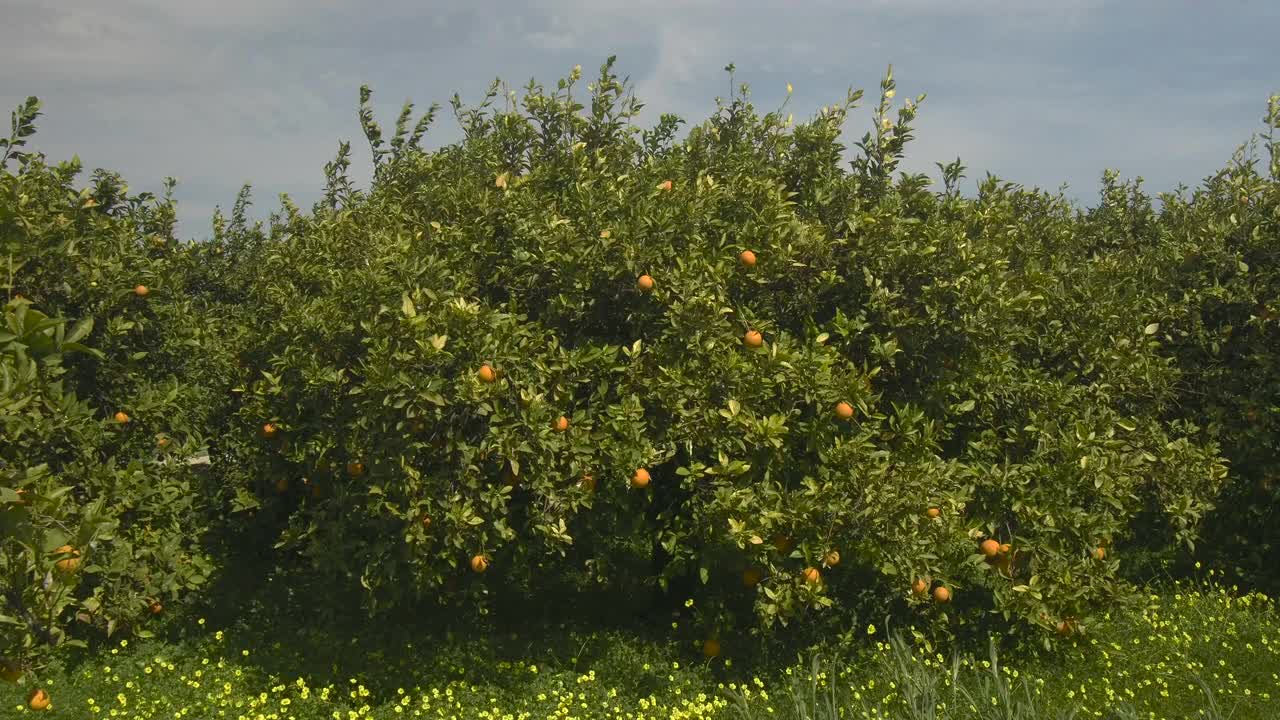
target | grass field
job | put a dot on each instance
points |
(1197, 651)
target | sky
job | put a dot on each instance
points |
(1037, 92)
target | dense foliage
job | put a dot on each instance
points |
(565, 356)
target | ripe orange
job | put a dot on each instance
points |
(487, 374)
(38, 699)
(640, 479)
(155, 607)
(832, 558)
(783, 544)
(711, 648)
(562, 423)
(748, 258)
(1099, 554)
(269, 431)
(162, 441)
(941, 595)
(355, 469)
(141, 291)
(753, 339)
(121, 417)
(588, 483)
(68, 564)
(479, 563)
(282, 485)
(1005, 548)
(844, 410)
(664, 185)
(645, 283)
(990, 547)
(920, 586)
(812, 576)
(934, 512)
(752, 577)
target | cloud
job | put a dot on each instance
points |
(261, 91)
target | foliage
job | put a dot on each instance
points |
(1004, 364)
(537, 364)
(101, 516)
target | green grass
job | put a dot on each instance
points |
(1197, 651)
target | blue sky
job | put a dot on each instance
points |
(1036, 92)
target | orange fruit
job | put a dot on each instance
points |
(426, 521)
(1066, 627)
(711, 648)
(1005, 548)
(664, 185)
(68, 564)
(479, 563)
(832, 558)
(141, 291)
(269, 431)
(562, 423)
(121, 417)
(812, 576)
(588, 483)
(38, 699)
(844, 410)
(640, 479)
(1099, 554)
(282, 485)
(748, 258)
(752, 577)
(934, 512)
(155, 607)
(487, 374)
(941, 595)
(920, 586)
(783, 544)
(355, 469)
(645, 283)
(990, 547)
(753, 339)
(162, 441)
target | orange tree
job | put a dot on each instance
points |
(898, 377)
(100, 514)
(1215, 258)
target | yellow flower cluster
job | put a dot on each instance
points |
(1192, 646)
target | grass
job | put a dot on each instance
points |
(1198, 650)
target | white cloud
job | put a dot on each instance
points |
(1039, 92)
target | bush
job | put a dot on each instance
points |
(102, 518)
(1000, 370)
